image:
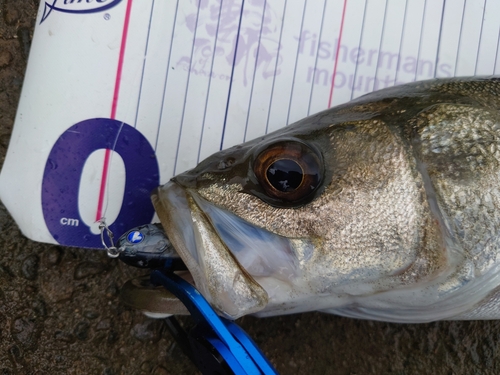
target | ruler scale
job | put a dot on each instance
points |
(197, 76)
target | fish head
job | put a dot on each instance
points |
(295, 220)
(347, 211)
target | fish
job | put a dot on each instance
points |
(384, 208)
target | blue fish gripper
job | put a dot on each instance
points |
(216, 345)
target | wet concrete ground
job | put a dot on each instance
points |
(60, 312)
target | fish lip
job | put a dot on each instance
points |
(219, 277)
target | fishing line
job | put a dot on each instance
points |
(105, 202)
(114, 105)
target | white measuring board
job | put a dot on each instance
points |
(121, 95)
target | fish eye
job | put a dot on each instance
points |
(285, 175)
(289, 171)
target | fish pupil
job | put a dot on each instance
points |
(285, 175)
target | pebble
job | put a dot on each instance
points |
(64, 337)
(81, 331)
(24, 331)
(11, 15)
(24, 37)
(90, 314)
(98, 338)
(56, 286)
(40, 308)
(112, 290)
(5, 218)
(29, 268)
(16, 82)
(160, 371)
(112, 336)
(146, 331)
(5, 58)
(147, 367)
(86, 269)
(53, 256)
(59, 358)
(103, 324)
(15, 352)
(6, 272)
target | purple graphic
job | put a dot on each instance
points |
(77, 6)
(259, 23)
(384, 61)
(61, 179)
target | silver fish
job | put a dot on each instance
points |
(384, 208)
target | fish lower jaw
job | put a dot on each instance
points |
(238, 268)
(216, 273)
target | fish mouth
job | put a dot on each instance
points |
(224, 254)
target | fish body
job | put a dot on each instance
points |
(384, 208)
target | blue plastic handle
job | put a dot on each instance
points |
(240, 352)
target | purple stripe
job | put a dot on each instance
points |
(359, 45)
(166, 76)
(459, 39)
(380, 44)
(295, 68)
(144, 65)
(275, 68)
(232, 75)
(420, 40)
(480, 36)
(400, 43)
(187, 88)
(254, 70)
(439, 39)
(316, 59)
(209, 83)
(496, 53)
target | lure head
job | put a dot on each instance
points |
(147, 246)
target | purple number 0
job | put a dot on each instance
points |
(61, 179)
